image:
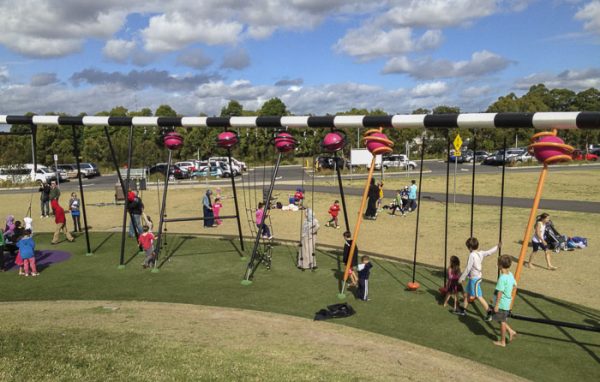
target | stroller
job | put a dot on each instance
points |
(555, 240)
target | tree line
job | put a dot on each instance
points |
(254, 146)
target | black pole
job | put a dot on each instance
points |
(418, 208)
(162, 212)
(251, 268)
(34, 147)
(77, 161)
(125, 194)
(446, 218)
(339, 177)
(235, 199)
(473, 180)
(116, 164)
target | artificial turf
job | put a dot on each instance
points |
(209, 271)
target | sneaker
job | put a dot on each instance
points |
(35, 274)
(26, 274)
(270, 237)
(460, 312)
(327, 224)
(337, 227)
(489, 315)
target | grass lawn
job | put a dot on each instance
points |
(208, 272)
(560, 184)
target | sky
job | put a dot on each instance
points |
(317, 56)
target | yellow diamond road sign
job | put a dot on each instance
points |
(457, 142)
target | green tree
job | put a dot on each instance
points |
(233, 109)
(273, 107)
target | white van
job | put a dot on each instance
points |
(238, 166)
(26, 173)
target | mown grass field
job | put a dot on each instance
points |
(208, 272)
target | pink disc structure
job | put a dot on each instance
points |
(377, 142)
(173, 140)
(548, 148)
(227, 139)
(334, 141)
(284, 142)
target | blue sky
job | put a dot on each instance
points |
(317, 56)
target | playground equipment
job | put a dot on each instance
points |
(333, 142)
(283, 142)
(377, 143)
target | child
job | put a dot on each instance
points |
(404, 197)
(28, 223)
(260, 224)
(27, 252)
(453, 286)
(299, 197)
(474, 271)
(334, 210)
(397, 203)
(347, 245)
(216, 208)
(146, 241)
(74, 208)
(380, 200)
(504, 288)
(364, 270)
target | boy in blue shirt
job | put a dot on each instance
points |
(504, 289)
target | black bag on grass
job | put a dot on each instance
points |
(335, 311)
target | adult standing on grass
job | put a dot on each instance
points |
(45, 199)
(308, 242)
(61, 222)
(373, 194)
(539, 242)
(54, 193)
(209, 217)
(136, 209)
(412, 196)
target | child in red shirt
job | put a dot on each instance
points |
(299, 197)
(61, 222)
(146, 241)
(334, 210)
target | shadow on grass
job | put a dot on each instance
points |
(104, 241)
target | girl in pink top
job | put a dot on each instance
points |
(216, 208)
(260, 224)
(453, 287)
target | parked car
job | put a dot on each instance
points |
(175, 172)
(481, 155)
(327, 162)
(465, 156)
(497, 159)
(45, 174)
(580, 155)
(69, 170)
(89, 170)
(397, 160)
(595, 151)
(237, 164)
(189, 166)
(206, 171)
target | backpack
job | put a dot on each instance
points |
(335, 311)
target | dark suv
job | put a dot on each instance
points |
(331, 162)
(175, 172)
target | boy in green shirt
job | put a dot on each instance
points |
(504, 289)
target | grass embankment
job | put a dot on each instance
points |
(208, 272)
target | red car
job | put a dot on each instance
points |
(580, 155)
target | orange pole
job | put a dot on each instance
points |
(358, 223)
(530, 223)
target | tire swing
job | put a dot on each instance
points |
(284, 142)
(377, 143)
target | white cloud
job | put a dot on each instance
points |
(573, 79)
(119, 50)
(43, 79)
(368, 42)
(45, 28)
(237, 59)
(4, 75)
(590, 15)
(438, 13)
(194, 58)
(430, 89)
(476, 91)
(481, 63)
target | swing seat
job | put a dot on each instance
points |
(413, 286)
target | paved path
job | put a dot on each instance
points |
(545, 204)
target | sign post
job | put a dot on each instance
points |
(457, 146)
(56, 170)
